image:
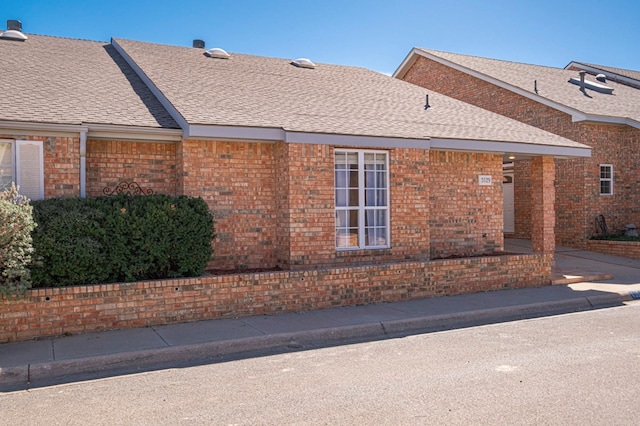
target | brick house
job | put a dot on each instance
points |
(599, 108)
(351, 182)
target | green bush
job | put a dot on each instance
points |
(121, 238)
(16, 224)
(69, 242)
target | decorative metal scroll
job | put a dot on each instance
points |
(128, 188)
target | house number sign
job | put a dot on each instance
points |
(484, 180)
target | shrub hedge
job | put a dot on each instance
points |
(16, 224)
(122, 238)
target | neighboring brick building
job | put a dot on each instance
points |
(555, 100)
(304, 166)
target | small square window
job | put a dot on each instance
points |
(606, 179)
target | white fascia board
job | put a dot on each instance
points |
(405, 65)
(607, 120)
(508, 147)
(355, 141)
(152, 134)
(208, 131)
(41, 129)
(537, 98)
(154, 89)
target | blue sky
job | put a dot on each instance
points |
(374, 34)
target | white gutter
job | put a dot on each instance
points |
(83, 164)
(153, 134)
(509, 147)
(42, 129)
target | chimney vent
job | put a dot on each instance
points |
(582, 74)
(14, 24)
(198, 44)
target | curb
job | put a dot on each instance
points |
(33, 375)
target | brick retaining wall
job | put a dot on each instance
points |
(73, 310)
(629, 249)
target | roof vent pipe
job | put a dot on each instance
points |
(14, 24)
(198, 44)
(582, 74)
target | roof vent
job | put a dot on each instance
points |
(601, 78)
(14, 25)
(198, 44)
(14, 31)
(586, 84)
(303, 63)
(217, 52)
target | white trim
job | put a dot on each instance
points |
(234, 132)
(508, 147)
(40, 129)
(601, 179)
(576, 115)
(362, 208)
(83, 164)
(152, 134)
(175, 114)
(18, 161)
(356, 141)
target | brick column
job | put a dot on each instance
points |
(543, 216)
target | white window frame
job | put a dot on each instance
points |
(361, 207)
(16, 164)
(605, 179)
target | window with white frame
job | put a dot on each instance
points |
(606, 179)
(361, 199)
(22, 162)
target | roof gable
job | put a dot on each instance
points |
(547, 85)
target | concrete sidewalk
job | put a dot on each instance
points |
(595, 281)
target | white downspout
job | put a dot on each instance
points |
(83, 164)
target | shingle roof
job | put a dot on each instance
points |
(254, 91)
(66, 81)
(553, 84)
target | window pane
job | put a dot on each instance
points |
(354, 199)
(361, 192)
(605, 187)
(341, 197)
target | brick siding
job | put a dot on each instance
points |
(151, 165)
(72, 310)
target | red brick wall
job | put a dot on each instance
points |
(543, 200)
(465, 218)
(578, 201)
(56, 311)
(630, 249)
(151, 165)
(238, 181)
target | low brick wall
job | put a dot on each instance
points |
(80, 309)
(629, 249)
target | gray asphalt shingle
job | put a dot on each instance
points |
(67, 81)
(255, 91)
